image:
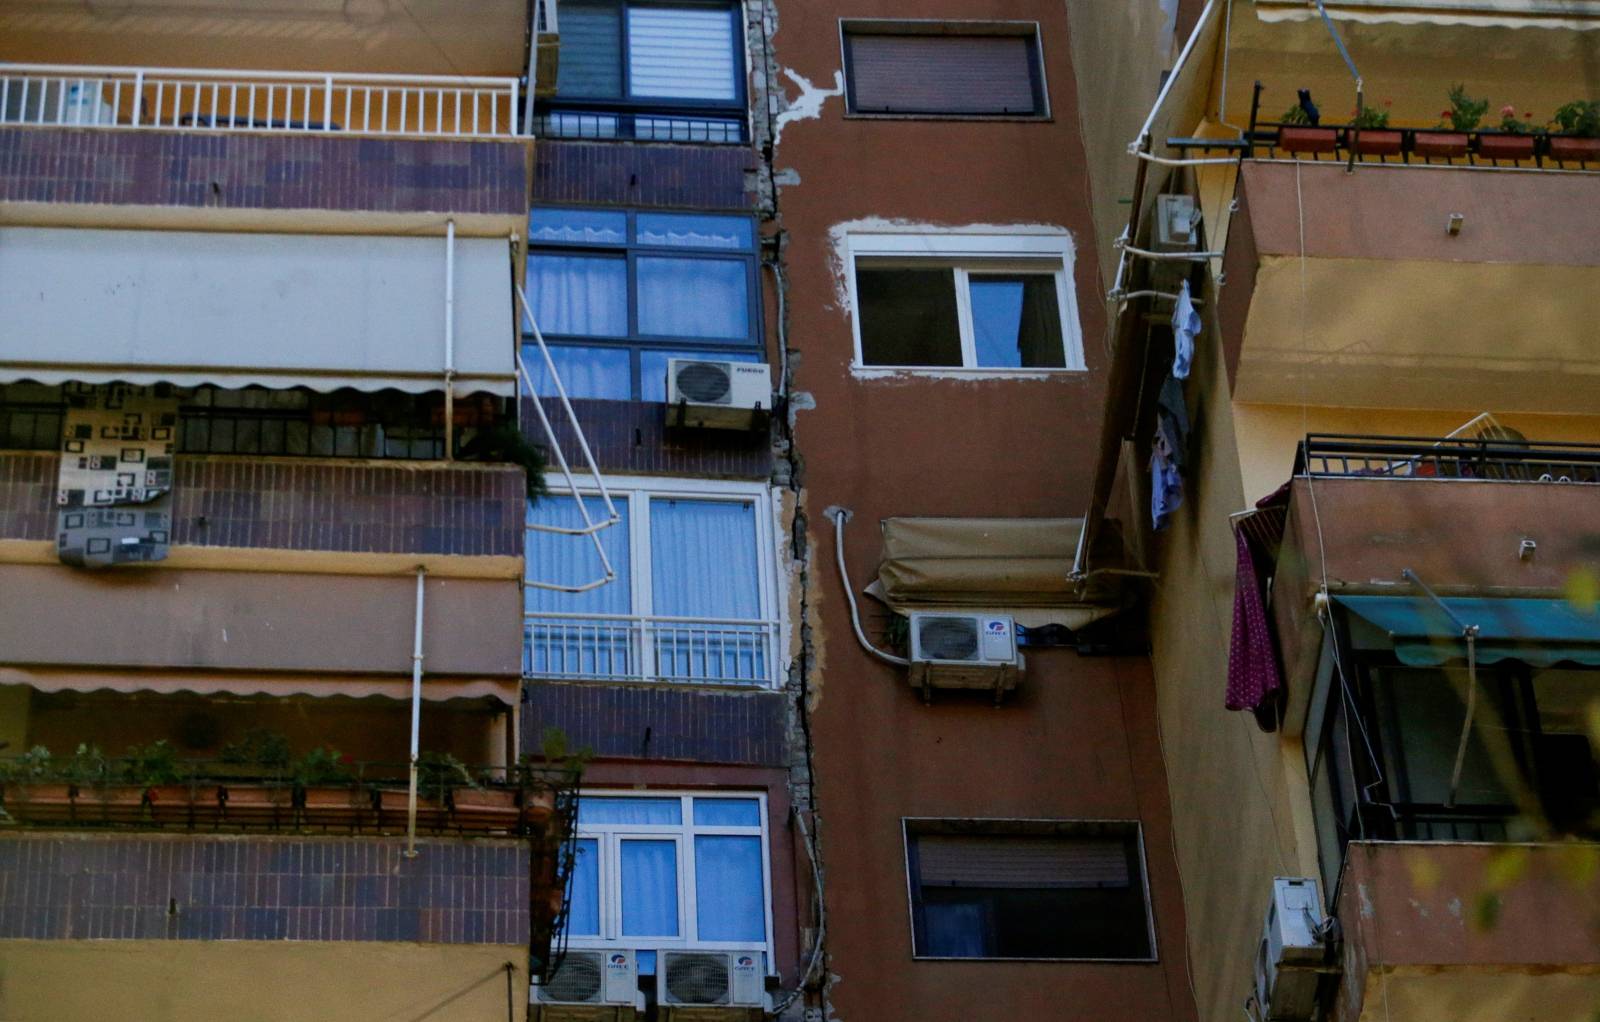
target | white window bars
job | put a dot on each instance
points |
(215, 100)
(590, 528)
(635, 647)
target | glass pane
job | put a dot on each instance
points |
(591, 49)
(653, 368)
(577, 124)
(649, 888)
(1568, 703)
(1016, 322)
(1423, 718)
(580, 295)
(686, 230)
(679, 52)
(727, 880)
(578, 646)
(603, 373)
(703, 558)
(630, 811)
(908, 317)
(693, 297)
(727, 812)
(583, 918)
(578, 226)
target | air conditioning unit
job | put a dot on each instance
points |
(1293, 955)
(717, 395)
(954, 650)
(591, 986)
(710, 986)
(1177, 223)
(54, 101)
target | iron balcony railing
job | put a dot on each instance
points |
(625, 647)
(1502, 460)
(214, 100)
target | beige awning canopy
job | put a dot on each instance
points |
(1017, 566)
(502, 690)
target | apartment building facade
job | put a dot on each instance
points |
(1373, 218)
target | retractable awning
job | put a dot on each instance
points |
(394, 687)
(1537, 632)
(246, 309)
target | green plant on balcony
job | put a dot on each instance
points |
(153, 765)
(321, 767)
(87, 767)
(1370, 118)
(32, 766)
(439, 773)
(1581, 117)
(1464, 112)
(1295, 116)
(1511, 124)
(268, 751)
(504, 442)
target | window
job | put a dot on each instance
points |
(1028, 889)
(692, 599)
(943, 69)
(616, 294)
(670, 871)
(965, 302)
(657, 71)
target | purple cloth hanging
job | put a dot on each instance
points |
(1253, 674)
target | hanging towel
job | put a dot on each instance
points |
(1185, 328)
(1253, 675)
(1166, 484)
(1172, 420)
(114, 484)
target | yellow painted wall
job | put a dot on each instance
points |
(13, 719)
(258, 981)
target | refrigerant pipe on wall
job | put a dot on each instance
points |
(841, 515)
(416, 717)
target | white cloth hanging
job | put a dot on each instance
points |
(1186, 327)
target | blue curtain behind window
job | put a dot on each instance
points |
(727, 878)
(649, 888)
(566, 646)
(727, 812)
(953, 931)
(692, 297)
(602, 373)
(703, 565)
(583, 295)
(630, 811)
(583, 917)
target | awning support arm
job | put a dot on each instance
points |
(1470, 634)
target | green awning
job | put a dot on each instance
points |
(1537, 632)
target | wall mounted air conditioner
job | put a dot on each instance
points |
(591, 986)
(54, 101)
(955, 650)
(1293, 955)
(1177, 223)
(710, 986)
(717, 395)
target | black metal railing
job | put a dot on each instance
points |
(1503, 460)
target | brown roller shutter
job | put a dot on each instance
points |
(1020, 863)
(944, 74)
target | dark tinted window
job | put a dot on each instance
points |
(899, 69)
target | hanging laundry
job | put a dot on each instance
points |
(1172, 420)
(115, 480)
(1186, 327)
(1166, 483)
(1255, 681)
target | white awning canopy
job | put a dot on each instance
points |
(237, 310)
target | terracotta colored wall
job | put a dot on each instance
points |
(1079, 740)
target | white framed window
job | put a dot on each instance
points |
(963, 302)
(671, 870)
(695, 594)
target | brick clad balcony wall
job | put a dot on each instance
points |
(685, 176)
(467, 510)
(302, 171)
(61, 886)
(632, 437)
(665, 723)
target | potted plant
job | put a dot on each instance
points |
(487, 804)
(267, 795)
(33, 788)
(1298, 135)
(1579, 140)
(438, 774)
(155, 769)
(1371, 135)
(326, 791)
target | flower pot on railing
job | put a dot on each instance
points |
(1306, 139)
(172, 804)
(538, 807)
(1376, 141)
(343, 805)
(1574, 149)
(42, 802)
(256, 805)
(394, 805)
(1495, 146)
(114, 803)
(1440, 145)
(484, 809)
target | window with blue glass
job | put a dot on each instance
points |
(670, 871)
(690, 599)
(616, 294)
(670, 72)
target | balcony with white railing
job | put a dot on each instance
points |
(216, 100)
(641, 648)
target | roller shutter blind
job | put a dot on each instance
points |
(943, 74)
(591, 50)
(681, 53)
(1021, 862)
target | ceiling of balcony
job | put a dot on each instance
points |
(469, 37)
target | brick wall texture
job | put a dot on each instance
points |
(61, 886)
(632, 437)
(348, 507)
(657, 176)
(243, 171)
(638, 722)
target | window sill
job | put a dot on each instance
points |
(865, 372)
(1003, 118)
(1056, 961)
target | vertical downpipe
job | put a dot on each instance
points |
(416, 717)
(449, 338)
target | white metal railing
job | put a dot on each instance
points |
(627, 647)
(199, 99)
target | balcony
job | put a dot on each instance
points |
(619, 647)
(293, 102)
(1468, 932)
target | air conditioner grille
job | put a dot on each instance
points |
(697, 978)
(579, 980)
(704, 383)
(948, 638)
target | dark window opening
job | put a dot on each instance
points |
(924, 69)
(908, 317)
